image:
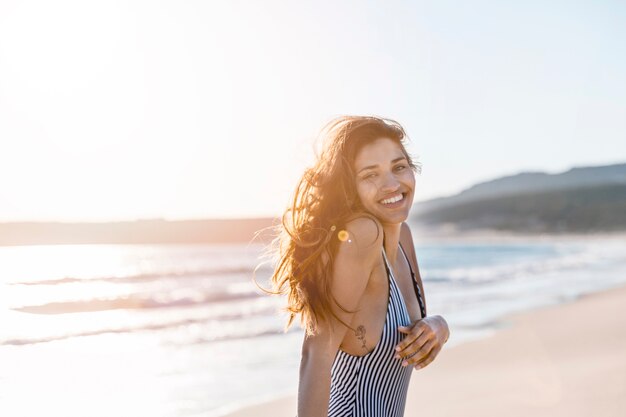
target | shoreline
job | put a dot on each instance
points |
(557, 360)
(490, 235)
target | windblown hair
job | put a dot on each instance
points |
(324, 201)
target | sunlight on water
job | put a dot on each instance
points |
(49, 262)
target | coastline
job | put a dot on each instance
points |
(560, 360)
(482, 236)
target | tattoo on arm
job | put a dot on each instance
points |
(360, 334)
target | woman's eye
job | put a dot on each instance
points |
(400, 167)
(368, 176)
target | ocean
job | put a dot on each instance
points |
(181, 330)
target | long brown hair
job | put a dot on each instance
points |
(325, 199)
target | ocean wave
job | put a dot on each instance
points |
(133, 302)
(234, 336)
(234, 317)
(513, 270)
(148, 277)
(47, 339)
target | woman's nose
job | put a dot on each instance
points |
(389, 183)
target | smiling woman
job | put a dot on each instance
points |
(380, 196)
(360, 302)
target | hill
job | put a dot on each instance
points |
(583, 199)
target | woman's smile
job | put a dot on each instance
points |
(393, 202)
(385, 181)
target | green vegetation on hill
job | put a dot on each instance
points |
(582, 209)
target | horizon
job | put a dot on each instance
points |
(136, 110)
(278, 215)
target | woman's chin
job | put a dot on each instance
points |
(392, 218)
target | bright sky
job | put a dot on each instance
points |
(194, 109)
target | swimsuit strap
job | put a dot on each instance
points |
(418, 293)
(416, 287)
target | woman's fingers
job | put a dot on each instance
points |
(415, 340)
(417, 344)
(412, 335)
(410, 346)
(420, 354)
(422, 343)
(429, 358)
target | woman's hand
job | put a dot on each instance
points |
(423, 341)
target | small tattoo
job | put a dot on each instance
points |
(360, 334)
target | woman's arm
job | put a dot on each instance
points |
(353, 265)
(315, 365)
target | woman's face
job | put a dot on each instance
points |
(385, 182)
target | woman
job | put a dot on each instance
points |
(346, 260)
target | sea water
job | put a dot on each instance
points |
(182, 330)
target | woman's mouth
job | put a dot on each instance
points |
(394, 201)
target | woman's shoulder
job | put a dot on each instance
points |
(405, 231)
(360, 242)
(406, 239)
(364, 233)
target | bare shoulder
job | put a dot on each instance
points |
(360, 244)
(364, 234)
(406, 238)
(405, 232)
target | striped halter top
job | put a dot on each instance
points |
(375, 385)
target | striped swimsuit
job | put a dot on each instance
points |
(375, 385)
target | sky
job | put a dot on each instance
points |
(209, 109)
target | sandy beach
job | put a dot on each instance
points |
(565, 360)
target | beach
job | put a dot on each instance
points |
(563, 360)
(180, 321)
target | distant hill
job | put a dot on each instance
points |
(156, 231)
(583, 199)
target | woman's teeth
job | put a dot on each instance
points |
(393, 199)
